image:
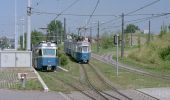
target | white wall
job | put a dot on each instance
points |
(15, 58)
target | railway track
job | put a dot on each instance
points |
(109, 60)
(95, 93)
(55, 78)
(119, 95)
(105, 95)
(99, 92)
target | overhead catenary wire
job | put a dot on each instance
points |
(142, 7)
(90, 16)
(147, 18)
(140, 20)
(92, 12)
(142, 14)
(101, 15)
(135, 10)
(72, 14)
(72, 4)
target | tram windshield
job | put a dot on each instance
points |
(49, 52)
(85, 49)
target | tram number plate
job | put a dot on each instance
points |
(48, 67)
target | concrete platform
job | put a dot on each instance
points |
(160, 93)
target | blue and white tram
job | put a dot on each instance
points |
(45, 56)
(67, 46)
(80, 50)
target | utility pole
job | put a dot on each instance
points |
(131, 41)
(149, 34)
(29, 25)
(123, 37)
(16, 33)
(23, 38)
(23, 30)
(65, 29)
(117, 54)
(90, 34)
(98, 37)
(55, 32)
(79, 31)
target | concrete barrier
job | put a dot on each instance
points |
(46, 89)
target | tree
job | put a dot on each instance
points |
(107, 41)
(36, 37)
(55, 31)
(169, 27)
(131, 28)
(4, 42)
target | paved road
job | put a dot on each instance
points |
(38, 95)
(29, 95)
(160, 93)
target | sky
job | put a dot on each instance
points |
(81, 7)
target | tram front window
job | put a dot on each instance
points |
(49, 52)
(85, 49)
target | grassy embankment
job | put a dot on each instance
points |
(154, 56)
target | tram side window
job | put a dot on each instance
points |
(40, 52)
(79, 49)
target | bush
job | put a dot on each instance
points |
(63, 59)
(107, 41)
(165, 53)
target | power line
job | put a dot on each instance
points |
(142, 7)
(147, 18)
(146, 14)
(128, 14)
(66, 8)
(93, 12)
(140, 20)
(70, 14)
(109, 21)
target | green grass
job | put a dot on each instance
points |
(101, 50)
(129, 80)
(157, 69)
(32, 84)
(149, 58)
(125, 80)
(72, 77)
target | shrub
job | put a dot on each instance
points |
(165, 53)
(63, 59)
(107, 41)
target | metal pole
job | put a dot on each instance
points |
(23, 30)
(117, 54)
(123, 37)
(23, 38)
(149, 34)
(131, 39)
(29, 26)
(16, 34)
(65, 28)
(90, 34)
(98, 37)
